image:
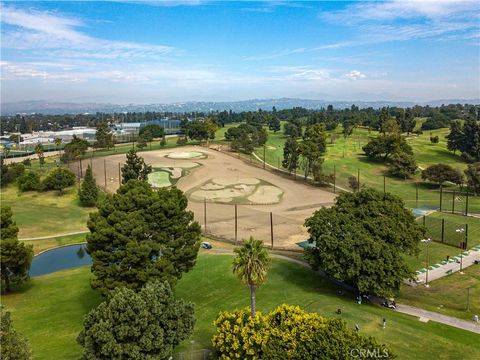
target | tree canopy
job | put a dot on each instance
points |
(103, 136)
(14, 346)
(313, 147)
(58, 179)
(441, 173)
(15, 256)
(288, 332)
(472, 172)
(88, 192)
(75, 149)
(360, 240)
(139, 234)
(154, 130)
(135, 168)
(144, 325)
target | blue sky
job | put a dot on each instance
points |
(145, 52)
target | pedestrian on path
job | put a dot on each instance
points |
(357, 328)
(384, 322)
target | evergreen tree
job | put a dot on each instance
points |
(144, 325)
(274, 123)
(409, 122)
(455, 137)
(472, 172)
(139, 234)
(15, 256)
(88, 192)
(13, 345)
(403, 165)
(163, 142)
(291, 154)
(135, 168)
(103, 136)
(313, 146)
(470, 145)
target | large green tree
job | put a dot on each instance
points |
(313, 147)
(154, 130)
(135, 168)
(384, 146)
(15, 256)
(291, 154)
(251, 264)
(403, 165)
(144, 325)
(361, 240)
(440, 173)
(472, 172)
(75, 149)
(13, 345)
(455, 137)
(139, 234)
(88, 192)
(103, 136)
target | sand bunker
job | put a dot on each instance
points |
(159, 179)
(186, 155)
(241, 191)
(266, 195)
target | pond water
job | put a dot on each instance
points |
(63, 258)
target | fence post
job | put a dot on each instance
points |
(119, 175)
(453, 202)
(384, 187)
(205, 214)
(334, 178)
(441, 196)
(466, 206)
(278, 161)
(358, 179)
(466, 236)
(416, 195)
(236, 239)
(443, 230)
(105, 172)
(271, 228)
(424, 217)
(81, 170)
(264, 147)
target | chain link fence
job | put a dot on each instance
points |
(453, 233)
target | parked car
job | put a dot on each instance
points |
(206, 245)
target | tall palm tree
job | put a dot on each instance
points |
(251, 265)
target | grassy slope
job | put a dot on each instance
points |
(45, 213)
(347, 157)
(49, 309)
(447, 295)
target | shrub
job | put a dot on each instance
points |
(58, 179)
(287, 332)
(28, 181)
(88, 192)
(27, 162)
(144, 325)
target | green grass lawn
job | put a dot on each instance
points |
(49, 309)
(45, 213)
(347, 157)
(447, 295)
(45, 244)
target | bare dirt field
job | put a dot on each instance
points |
(296, 200)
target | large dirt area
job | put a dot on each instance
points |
(297, 201)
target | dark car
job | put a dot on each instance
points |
(206, 245)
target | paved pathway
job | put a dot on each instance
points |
(55, 236)
(423, 315)
(446, 268)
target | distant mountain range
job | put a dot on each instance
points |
(55, 108)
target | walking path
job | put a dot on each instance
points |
(423, 315)
(54, 236)
(436, 271)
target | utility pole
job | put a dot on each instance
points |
(271, 228)
(236, 224)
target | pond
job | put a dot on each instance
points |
(62, 258)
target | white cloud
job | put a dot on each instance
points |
(354, 75)
(36, 30)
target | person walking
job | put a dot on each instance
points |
(384, 323)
